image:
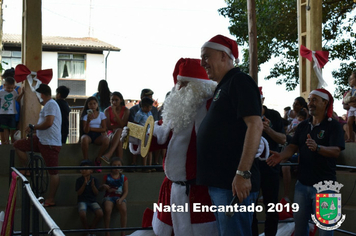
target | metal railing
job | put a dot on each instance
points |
(29, 195)
(74, 123)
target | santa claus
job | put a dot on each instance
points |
(184, 109)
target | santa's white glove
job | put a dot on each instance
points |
(161, 132)
(124, 133)
(263, 150)
(132, 149)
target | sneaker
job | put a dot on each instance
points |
(97, 163)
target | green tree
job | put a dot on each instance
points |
(277, 36)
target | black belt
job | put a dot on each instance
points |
(186, 184)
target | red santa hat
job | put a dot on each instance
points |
(323, 93)
(225, 44)
(188, 69)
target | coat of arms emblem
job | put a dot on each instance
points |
(328, 205)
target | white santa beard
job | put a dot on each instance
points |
(181, 106)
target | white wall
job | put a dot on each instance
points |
(50, 61)
(95, 70)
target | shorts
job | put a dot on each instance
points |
(93, 135)
(111, 133)
(112, 199)
(351, 112)
(48, 152)
(8, 121)
(83, 206)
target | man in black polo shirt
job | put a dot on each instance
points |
(229, 136)
(320, 140)
(273, 132)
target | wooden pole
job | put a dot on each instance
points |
(309, 35)
(31, 57)
(1, 32)
(252, 38)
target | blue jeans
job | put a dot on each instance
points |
(113, 199)
(82, 206)
(240, 223)
(305, 197)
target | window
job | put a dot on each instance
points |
(10, 59)
(71, 72)
(71, 66)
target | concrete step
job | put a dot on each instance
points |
(135, 213)
(143, 187)
(347, 156)
(70, 155)
(348, 191)
(143, 192)
(67, 218)
(349, 223)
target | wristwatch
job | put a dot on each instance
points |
(245, 174)
(317, 148)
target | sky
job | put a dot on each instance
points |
(152, 35)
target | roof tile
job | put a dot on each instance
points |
(86, 42)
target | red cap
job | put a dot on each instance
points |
(188, 69)
(225, 44)
(323, 93)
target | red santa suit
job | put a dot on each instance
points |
(179, 135)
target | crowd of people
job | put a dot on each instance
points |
(214, 124)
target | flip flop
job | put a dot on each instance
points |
(46, 204)
(105, 159)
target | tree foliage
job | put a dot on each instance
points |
(277, 37)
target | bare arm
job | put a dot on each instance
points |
(93, 187)
(104, 187)
(102, 129)
(278, 137)
(122, 122)
(48, 122)
(108, 123)
(125, 192)
(327, 151)
(276, 157)
(21, 93)
(125, 189)
(82, 188)
(87, 128)
(240, 186)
